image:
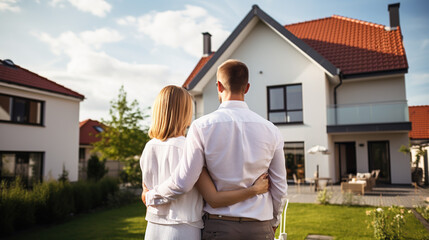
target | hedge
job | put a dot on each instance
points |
(50, 201)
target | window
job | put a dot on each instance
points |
(27, 165)
(21, 110)
(98, 129)
(285, 104)
(294, 156)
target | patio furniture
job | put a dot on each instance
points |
(355, 186)
(297, 182)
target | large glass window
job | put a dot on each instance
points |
(285, 104)
(294, 156)
(20, 110)
(26, 165)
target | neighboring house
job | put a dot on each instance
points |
(39, 123)
(336, 82)
(419, 136)
(88, 130)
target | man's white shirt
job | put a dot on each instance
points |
(237, 146)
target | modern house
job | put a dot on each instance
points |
(336, 82)
(39, 126)
(88, 131)
(419, 137)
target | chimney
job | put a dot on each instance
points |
(394, 14)
(207, 44)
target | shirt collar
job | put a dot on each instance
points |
(233, 104)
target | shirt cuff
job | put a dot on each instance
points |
(153, 199)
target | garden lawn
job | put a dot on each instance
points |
(128, 222)
(342, 222)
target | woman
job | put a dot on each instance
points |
(181, 218)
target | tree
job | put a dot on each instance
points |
(96, 169)
(123, 137)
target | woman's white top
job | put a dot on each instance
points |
(158, 161)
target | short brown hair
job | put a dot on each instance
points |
(171, 114)
(233, 75)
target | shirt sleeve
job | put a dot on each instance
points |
(278, 186)
(186, 174)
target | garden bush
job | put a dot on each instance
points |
(50, 201)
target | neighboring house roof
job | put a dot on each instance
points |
(13, 74)
(88, 131)
(419, 118)
(354, 47)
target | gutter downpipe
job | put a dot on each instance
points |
(340, 75)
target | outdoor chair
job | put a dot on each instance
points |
(282, 225)
(297, 183)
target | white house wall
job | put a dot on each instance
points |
(372, 90)
(273, 61)
(58, 138)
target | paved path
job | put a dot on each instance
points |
(386, 195)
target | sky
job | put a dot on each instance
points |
(95, 46)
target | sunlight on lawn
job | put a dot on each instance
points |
(128, 222)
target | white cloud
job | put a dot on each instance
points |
(179, 29)
(9, 5)
(98, 76)
(418, 79)
(425, 43)
(96, 7)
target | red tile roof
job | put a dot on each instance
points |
(23, 77)
(419, 118)
(197, 68)
(88, 132)
(352, 45)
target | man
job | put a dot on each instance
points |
(237, 146)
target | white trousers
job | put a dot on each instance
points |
(156, 231)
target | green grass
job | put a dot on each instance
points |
(128, 222)
(342, 222)
(120, 223)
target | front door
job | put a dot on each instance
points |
(379, 158)
(347, 158)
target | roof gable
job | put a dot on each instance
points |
(22, 77)
(419, 118)
(256, 12)
(354, 46)
(88, 132)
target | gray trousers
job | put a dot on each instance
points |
(222, 229)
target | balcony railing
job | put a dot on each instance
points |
(369, 113)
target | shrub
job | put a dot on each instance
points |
(350, 199)
(96, 168)
(16, 207)
(324, 196)
(49, 202)
(424, 211)
(121, 198)
(387, 224)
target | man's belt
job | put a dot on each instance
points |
(229, 218)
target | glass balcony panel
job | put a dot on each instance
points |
(385, 112)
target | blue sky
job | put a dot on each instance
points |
(94, 47)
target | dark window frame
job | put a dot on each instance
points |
(42, 111)
(290, 178)
(285, 110)
(42, 161)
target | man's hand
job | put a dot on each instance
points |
(145, 190)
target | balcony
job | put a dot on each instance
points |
(369, 117)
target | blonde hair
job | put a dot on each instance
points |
(233, 75)
(172, 113)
